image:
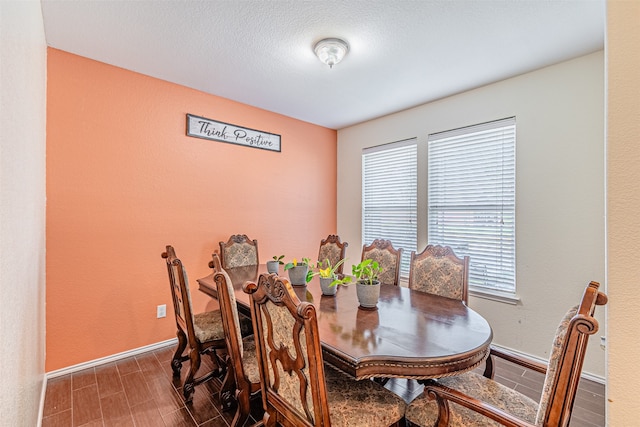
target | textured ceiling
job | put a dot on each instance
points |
(403, 53)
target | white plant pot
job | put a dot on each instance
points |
(298, 275)
(368, 295)
(326, 289)
(272, 266)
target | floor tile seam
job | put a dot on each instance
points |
(126, 399)
(99, 404)
(586, 409)
(126, 396)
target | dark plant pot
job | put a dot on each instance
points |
(298, 275)
(368, 295)
(272, 266)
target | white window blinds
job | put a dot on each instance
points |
(471, 199)
(389, 192)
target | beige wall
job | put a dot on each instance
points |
(623, 207)
(560, 229)
(22, 203)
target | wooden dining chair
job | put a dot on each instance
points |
(239, 251)
(388, 258)
(471, 399)
(332, 249)
(242, 380)
(298, 389)
(437, 270)
(203, 333)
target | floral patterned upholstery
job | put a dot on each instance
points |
(424, 412)
(438, 271)
(360, 403)
(249, 360)
(332, 249)
(387, 257)
(239, 251)
(554, 358)
(243, 377)
(208, 326)
(289, 347)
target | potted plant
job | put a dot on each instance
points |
(329, 277)
(367, 283)
(299, 272)
(273, 265)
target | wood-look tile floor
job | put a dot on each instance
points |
(140, 391)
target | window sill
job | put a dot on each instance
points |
(505, 297)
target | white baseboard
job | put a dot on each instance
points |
(43, 393)
(112, 358)
(595, 378)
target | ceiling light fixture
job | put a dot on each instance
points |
(331, 51)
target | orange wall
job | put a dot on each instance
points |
(123, 181)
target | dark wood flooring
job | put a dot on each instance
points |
(140, 391)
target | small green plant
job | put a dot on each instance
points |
(329, 272)
(278, 258)
(366, 272)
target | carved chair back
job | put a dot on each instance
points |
(488, 399)
(202, 332)
(566, 359)
(289, 354)
(239, 251)
(332, 249)
(388, 258)
(242, 379)
(437, 270)
(181, 296)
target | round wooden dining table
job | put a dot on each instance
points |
(411, 334)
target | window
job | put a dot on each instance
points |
(389, 193)
(471, 200)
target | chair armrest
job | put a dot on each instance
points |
(443, 395)
(519, 360)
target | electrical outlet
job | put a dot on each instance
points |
(161, 311)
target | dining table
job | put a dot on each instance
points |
(411, 334)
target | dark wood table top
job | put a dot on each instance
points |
(411, 334)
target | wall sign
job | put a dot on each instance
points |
(200, 127)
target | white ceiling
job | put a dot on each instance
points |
(260, 52)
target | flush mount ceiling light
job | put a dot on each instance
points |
(331, 51)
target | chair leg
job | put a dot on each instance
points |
(189, 383)
(227, 390)
(176, 362)
(243, 410)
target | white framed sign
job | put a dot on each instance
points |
(200, 127)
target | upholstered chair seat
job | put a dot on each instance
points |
(360, 403)
(249, 360)
(208, 326)
(474, 400)
(424, 412)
